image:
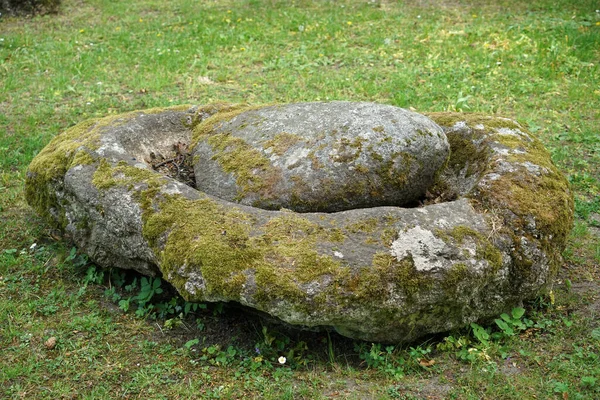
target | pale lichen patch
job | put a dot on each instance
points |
(422, 245)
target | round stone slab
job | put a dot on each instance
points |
(319, 156)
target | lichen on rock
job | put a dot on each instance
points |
(484, 234)
(306, 156)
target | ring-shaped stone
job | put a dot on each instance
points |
(488, 236)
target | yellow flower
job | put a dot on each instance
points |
(349, 22)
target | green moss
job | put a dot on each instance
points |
(378, 129)
(372, 283)
(123, 174)
(252, 170)
(346, 150)
(73, 147)
(458, 273)
(220, 114)
(485, 249)
(545, 199)
(62, 153)
(449, 119)
(464, 153)
(290, 241)
(202, 236)
(388, 170)
(374, 155)
(421, 132)
(281, 142)
(361, 169)
(217, 241)
(535, 152)
(314, 161)
(82, 158)
(388, 235)
(367, 225)
(336, 235)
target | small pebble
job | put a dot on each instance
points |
(50, 343)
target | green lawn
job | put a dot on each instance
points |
(537, 61)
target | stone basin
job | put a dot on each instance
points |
(483, 233)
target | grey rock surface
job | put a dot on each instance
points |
(488, 237)
(321, 156)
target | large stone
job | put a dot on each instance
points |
(488, 235)
(320, 156)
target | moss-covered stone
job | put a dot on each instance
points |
(525, 184)
(217, 115)
(306, 156)
(485, 250)
(364, 272)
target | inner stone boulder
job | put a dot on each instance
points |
(487, 235)
(319, 156)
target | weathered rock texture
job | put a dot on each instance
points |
(490, 236)
(320, 156)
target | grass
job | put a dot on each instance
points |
(537, 61)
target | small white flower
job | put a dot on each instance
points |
(282, 360)
(418, 16)
(33, 247)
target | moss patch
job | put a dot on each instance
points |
(546, 201)
(367, 225)
(454, 276)
(73, 147)
(281, 142)
(252, 170)
(346, 150)
(203, 236)
(485, 249)
(123, 174)
(544, 198)
(220, 113)
(372, 283)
